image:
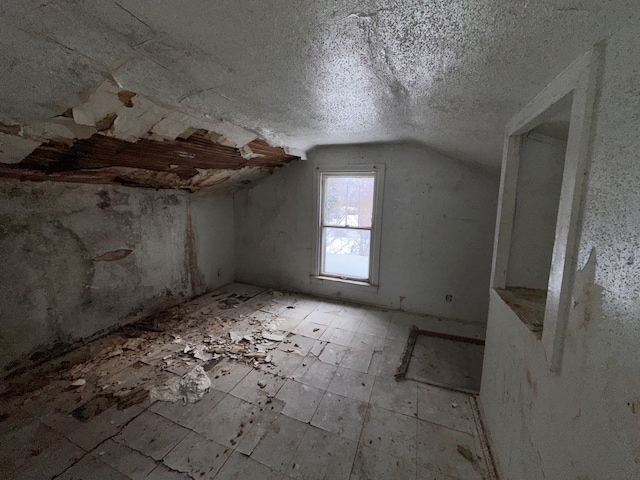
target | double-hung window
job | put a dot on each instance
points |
(349, 211)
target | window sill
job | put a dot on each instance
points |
(320, 280)
(528, 304)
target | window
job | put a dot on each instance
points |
(347, 241)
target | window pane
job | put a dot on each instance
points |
(348, 200)
(346, 252)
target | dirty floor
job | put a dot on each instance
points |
(301, 388)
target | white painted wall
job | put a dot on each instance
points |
(539, 181)
(437, 229)
(583, 422)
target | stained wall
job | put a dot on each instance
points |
(583, 422)
(78, 259)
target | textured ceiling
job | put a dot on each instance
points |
(448, 73)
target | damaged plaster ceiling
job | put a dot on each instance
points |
(120, 137)
(447, 73)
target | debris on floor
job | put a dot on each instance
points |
(190, 388)
(278, 382)
(182, 343)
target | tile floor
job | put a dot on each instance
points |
(329, 408)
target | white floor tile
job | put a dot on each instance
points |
(445, 407)
(278, 445)
(352, 384)
(448, 451)
(390, 432)
(322, 455)
(152, 435)
(400, 396)
(199, 457)
(372, 464)
(343, 416)
(257, 387)
(300, 400)
(125, 460)
(314, 372)
(241, 467)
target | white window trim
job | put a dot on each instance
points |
(579, 79)
(376, 227)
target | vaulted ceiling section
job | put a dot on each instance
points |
(80, 78)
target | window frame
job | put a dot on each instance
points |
(580, 80)
(376, 221)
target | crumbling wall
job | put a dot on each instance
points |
(582, 422)
(78, 259)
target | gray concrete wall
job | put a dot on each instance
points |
(57, 283)
(583, 422)
(213, 235)
(437, 229)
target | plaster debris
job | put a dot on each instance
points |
(201, 353)
(133, 343)
(58, 129)
(276, 337)
(181, 125)
(111, 108)
(234, 136)
(190, 388)
(14, 148)
(262, 383)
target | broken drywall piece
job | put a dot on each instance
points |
(101, 103)
(275, 337)
(115, 353)
(190, 388)
(14, 148)
(136, 121)
(107, 122)
(201, 352)
(109, 109)
(133, 343)
(246, 152)
(234, 136)
(180, 125)
(58, 128)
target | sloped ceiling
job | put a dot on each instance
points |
(447, 73)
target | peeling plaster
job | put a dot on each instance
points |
(587, 295)
(127, 116)
(445, 73)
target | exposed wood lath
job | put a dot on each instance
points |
(193, 163)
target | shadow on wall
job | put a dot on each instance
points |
(79, 259)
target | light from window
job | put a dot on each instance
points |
(346, 224)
